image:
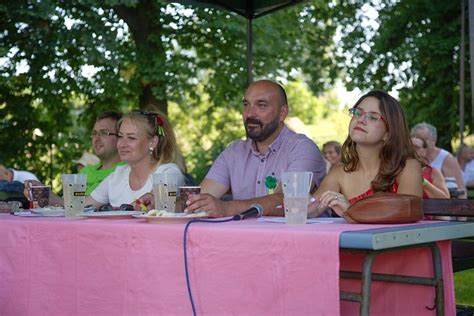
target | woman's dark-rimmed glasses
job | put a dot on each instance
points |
(369, 116)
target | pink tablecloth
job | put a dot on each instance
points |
(130, 267)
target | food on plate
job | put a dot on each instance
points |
(163, 213)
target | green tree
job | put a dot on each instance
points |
(304, 104)
(62, 62)
(413, 47)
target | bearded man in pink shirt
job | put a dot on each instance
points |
(270, 149)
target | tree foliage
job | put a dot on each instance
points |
(62, 62)
(415, 48)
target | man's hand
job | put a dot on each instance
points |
(205, 202)
(147, 199)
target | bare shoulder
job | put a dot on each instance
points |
(411, 170)
(410, 179)
(337, 171)
(332, 181)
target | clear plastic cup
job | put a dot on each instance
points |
(296, 187)
(165, 190)
(74, 191)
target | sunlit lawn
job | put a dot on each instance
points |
(464, 285)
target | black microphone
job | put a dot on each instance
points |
(256, 210)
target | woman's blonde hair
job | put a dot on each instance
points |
(156, 124)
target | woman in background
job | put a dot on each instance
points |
(377, 156)
(332, 153)
(434, 185)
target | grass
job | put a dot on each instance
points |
(464, 285)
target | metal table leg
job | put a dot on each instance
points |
(367, 276)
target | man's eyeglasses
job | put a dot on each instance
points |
(102, 133)
(368, 116)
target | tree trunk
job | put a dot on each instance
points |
(146, 31)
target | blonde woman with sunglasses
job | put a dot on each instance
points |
(377, 156)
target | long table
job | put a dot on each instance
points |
(56, 266)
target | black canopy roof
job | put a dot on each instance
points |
(250, 9)
(247, 8)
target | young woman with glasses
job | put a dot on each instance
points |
(377, 156)
(147, 143)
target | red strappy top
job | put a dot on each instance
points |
(369, 192)
(427, 174)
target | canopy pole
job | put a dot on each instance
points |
(471, 55)
(249, 52)
(461, 78)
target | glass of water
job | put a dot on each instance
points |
(296, 187)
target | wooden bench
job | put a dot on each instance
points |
(462, 249)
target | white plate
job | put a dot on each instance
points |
(51, 211)
(110, 214)
(26, 214)
(178, 218)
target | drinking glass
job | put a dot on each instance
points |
(296, 187)
(74, 191)
(165, 189)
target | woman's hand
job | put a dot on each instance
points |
(334, 200)
(147, 200)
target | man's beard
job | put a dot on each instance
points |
(265, 131)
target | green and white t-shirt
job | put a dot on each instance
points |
(95, 175)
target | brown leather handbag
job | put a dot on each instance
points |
(386, 208)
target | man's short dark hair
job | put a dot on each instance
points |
(116, 116)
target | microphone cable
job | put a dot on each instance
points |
(188, 284)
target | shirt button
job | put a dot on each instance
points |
(258, 182)
(262, 160)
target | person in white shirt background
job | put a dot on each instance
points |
(439, 158)
(466, 160)
(9, 174)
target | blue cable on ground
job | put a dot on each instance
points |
(186, 256)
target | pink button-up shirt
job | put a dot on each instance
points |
(243, 169)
